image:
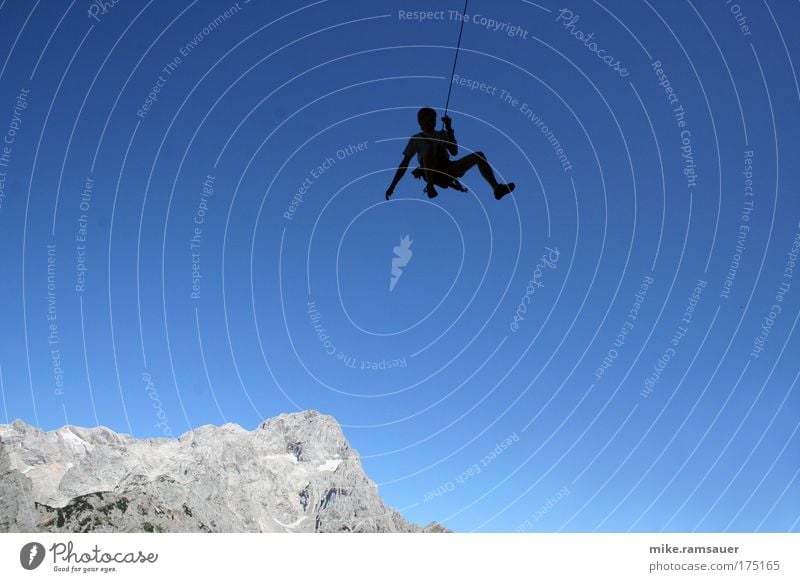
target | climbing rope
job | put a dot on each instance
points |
(455, 59)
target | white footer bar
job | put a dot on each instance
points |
(401, 557)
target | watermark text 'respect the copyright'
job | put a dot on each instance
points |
(681, 330)
(487, 22)
(10, 136)
(348, 360)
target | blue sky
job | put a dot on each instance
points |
(193, 217)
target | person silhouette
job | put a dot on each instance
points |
(433, 149)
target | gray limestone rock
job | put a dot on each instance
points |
(294, 473)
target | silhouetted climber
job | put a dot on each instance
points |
(436, 167)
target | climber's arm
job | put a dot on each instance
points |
(450, 136)
(401, 171)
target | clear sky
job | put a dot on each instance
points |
(194, 231)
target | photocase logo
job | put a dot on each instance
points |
(402, 257)
(32, 555)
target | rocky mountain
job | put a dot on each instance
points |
(294, 473)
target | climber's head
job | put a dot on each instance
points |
(427, 119)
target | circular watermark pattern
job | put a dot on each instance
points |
(219, 213)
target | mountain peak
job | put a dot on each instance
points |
(295, 472)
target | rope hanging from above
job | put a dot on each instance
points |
(455, 59)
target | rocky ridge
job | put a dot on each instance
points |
(294, 473)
